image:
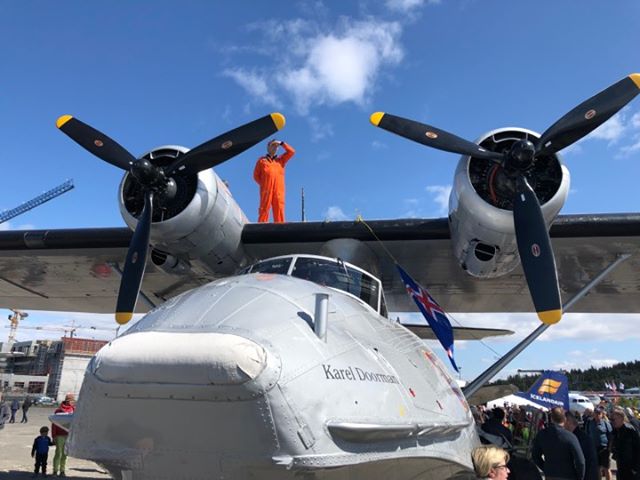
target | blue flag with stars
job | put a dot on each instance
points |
(435, 316)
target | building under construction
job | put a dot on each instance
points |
(51, 367)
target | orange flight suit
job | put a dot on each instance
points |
(269, 174)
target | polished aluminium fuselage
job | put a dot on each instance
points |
(232, 380)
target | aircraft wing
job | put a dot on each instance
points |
(583, 246)
(459, 333)
(77, 269)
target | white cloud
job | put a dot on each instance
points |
(334, 214)
(611, 130)
(572, 149)
(319, 130)
(8, 226)
(616, 130)
(441, 196)
(588, 327)
(412, 208)
(342, 66)
(407, 5)
(255, 84)
(322, 66)
(585, 364)
(629, 149)
(377, 145)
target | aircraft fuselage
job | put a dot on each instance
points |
(233, 380)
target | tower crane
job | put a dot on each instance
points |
(34, 202)
(14, 319)
(68, 329)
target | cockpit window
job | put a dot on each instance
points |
(336, 274)
(277, 265)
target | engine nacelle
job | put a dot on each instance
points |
(481, 204)
(201, 222)
(169, 263)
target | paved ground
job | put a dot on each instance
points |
(16, 440)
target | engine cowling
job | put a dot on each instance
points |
(481, 204)
(202, 221)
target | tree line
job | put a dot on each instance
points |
(627, 373)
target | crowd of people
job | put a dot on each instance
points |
(42, 443)
(564, 444)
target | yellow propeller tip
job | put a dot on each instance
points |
(549, 317)
(376, 117)
(62, 120)
(123, 317)
(636, 79)
(278, 120)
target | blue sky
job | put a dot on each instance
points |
(150, 73)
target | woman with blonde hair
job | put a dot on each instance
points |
(490, 462)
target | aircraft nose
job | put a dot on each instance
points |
(180, 358)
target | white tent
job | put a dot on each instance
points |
(514, 400)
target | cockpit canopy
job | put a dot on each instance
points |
(329, 272)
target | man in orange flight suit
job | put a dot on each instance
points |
(269, 174)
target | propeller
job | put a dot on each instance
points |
(534, 244)
(159, 185)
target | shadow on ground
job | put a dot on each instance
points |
(73, 473)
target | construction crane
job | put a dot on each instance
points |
(14, 320)
(67, 329)
(34, 202)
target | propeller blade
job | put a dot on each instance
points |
(536, 254)
(96, 142)
(431, 136)
(227, 145)
(589, 115)
(135, 263)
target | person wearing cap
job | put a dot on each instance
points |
(601, 430)
(269, 175)
(60, 435)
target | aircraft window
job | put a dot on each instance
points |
(278, 265)
(335, 274)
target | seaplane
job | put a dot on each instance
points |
(268, 350)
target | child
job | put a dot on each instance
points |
(40, 450)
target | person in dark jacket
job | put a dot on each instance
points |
(557, 452)
(626, 446)
(40, 450)
(26, 405)
(15, 406)
(494, 425)
(592, 469)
